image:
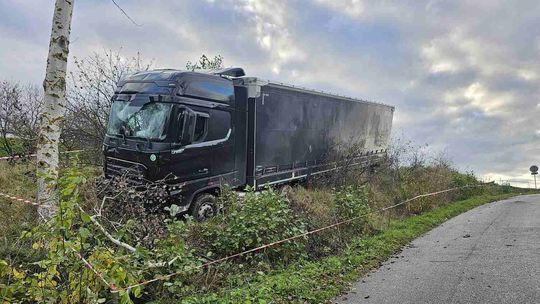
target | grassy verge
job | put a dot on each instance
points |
(19, 181)
(319, 281)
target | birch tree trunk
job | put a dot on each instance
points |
(54, 107)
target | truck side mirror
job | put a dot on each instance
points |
(188, 126)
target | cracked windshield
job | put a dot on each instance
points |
(147, 121)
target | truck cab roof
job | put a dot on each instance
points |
(184, 83)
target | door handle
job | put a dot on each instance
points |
(203, 171)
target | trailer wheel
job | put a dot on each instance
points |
(204, 207)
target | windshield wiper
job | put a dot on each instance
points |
(122, 134)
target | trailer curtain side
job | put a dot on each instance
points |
(295, 133)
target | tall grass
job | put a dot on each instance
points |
(18, 180)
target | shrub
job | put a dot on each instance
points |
(351, 203)
(255, 220)
(54, 273)
(319, 208)
(466, 179)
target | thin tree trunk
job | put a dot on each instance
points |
(53, 108)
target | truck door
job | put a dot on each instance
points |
(191, 161)
(211, 151)
(220, 140)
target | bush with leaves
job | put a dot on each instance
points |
(351, 202)
(56, 273)
(323, 208)
(466, 179)
(257, 219)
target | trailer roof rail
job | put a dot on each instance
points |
(327, 93)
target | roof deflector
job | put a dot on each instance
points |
(232, 72)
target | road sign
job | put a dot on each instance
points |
(534, 171)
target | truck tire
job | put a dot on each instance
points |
(204, 207)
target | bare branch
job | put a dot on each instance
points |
(108, 235)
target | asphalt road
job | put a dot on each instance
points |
(490, 254)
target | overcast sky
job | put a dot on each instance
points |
(463, 75)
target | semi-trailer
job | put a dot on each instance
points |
(196, 132)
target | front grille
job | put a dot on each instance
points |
(135, 173)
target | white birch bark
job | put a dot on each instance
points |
(53, 109)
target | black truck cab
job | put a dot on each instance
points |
(180, 128)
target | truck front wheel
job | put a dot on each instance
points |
(204, 207)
